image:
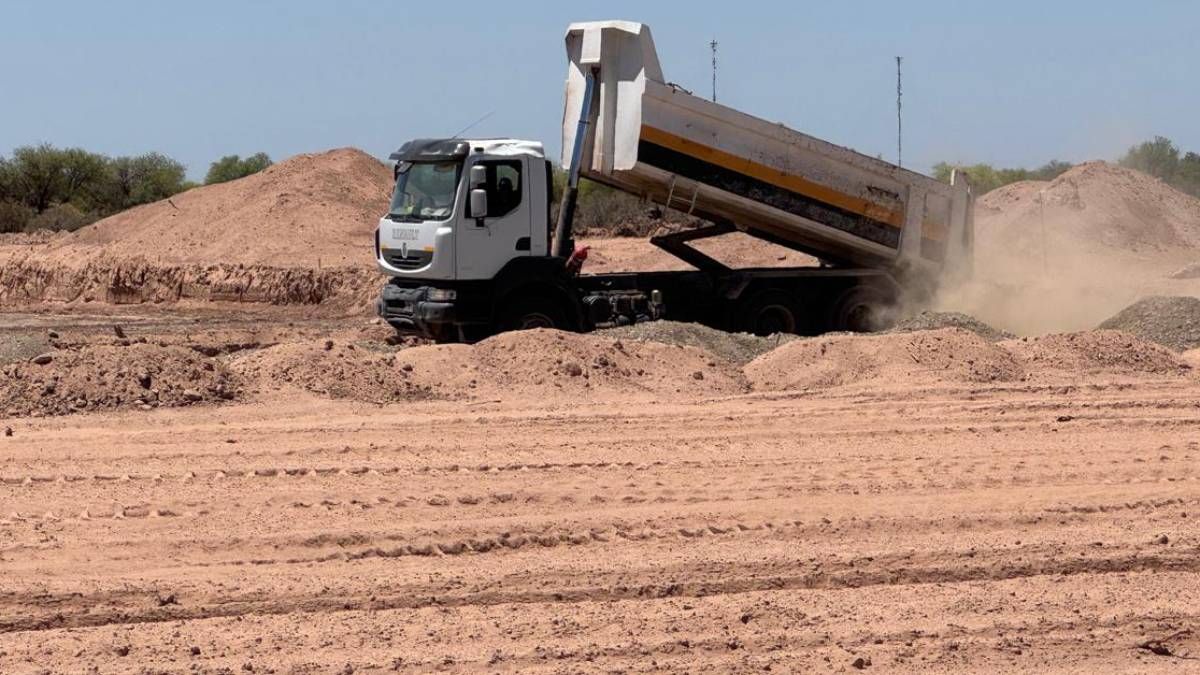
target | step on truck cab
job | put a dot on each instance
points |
(473, 245)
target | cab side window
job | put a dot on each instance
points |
(503, 187)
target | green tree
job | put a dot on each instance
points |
(38, 176)
(143, 179)
(1187, 175)
(1159, 158)
(232, 167)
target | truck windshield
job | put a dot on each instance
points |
(424, 191)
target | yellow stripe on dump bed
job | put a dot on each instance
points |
(781, 179)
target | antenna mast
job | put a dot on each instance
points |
(899, 119)
(713, 46)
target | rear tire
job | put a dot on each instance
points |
(768, 312)
(861, 309)
(526, 313)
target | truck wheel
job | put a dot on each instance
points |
(769, 312)
(527, 313)
(861, 309)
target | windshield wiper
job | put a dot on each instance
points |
(405, 218)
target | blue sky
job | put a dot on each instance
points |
(1011, 83)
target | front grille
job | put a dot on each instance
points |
(415, 259)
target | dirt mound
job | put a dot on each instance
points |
(108, 377)
(541, 364)
(334, 369)
(929, 320)
(736, 348)
(900, 359)
(1170, 321)
(1095, 352)
(1046, 252)
(547, 363)
(312, 211)
(1093, 204)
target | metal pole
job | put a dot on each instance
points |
(899, 119)
(564, 242)
(713, 45)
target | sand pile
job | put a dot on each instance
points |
(945, 355)
(1170, 321)
(335, 369)
(1065, 254)
(112, 376)
(929, 320)
(1094, 352)
(1094, 205)
(542, 364)
(736, 348)
(549, 363)
(299, 232)
(307, 211)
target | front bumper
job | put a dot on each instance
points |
(409, 310)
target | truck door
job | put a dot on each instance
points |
(485, 245)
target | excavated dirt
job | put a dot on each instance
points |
(297, 233)
(975, 526)
(309, 211)
(930, 320)
(542, 365)
(1173, 322)
(1066, 254)
(547, 365)
(897, 360)
(112, 377)
(1108, 352)
(340, 370)
(1095, 204)
(736, 348)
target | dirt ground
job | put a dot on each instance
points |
(213, 460)
(910, 523)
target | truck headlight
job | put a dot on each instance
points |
(442, 295)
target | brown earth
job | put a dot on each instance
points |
(309, 211)
(215, 487)
(1066, 254)
(1010, 525)
(298, 232)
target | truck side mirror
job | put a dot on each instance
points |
(478, 176)
(479, 205)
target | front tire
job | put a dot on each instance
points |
(527, 313)
(767, 313)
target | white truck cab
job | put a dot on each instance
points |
(431, 232)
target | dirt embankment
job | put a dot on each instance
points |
(297, 233)
(1065, 254)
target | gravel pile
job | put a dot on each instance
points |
(736, 348)
(1169, 321)
(938, 320)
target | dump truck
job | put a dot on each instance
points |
(472, 247)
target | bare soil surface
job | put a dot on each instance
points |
(912, 517)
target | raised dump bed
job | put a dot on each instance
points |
(655, 139)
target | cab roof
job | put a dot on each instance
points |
(433, 149)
